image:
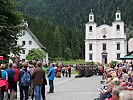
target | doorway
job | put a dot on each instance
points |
(104, 59)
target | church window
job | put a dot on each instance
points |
(30, 42)
(90, 46)
(23, 42)
(90, 56)
(118, 46)
(118, 27)
(117, 16)
(118, 55)
(90, 29)
(90, 17)
(104, 46)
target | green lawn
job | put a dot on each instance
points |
(74, 72)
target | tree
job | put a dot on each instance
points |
(67, 54)
(58, 43)
(35, 54)
(10, 27)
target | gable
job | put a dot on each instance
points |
(104, 30)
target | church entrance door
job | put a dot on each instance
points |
(104, 59)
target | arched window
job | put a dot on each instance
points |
(90, 29)
(117, 15)
(90, 17)
(118, 27)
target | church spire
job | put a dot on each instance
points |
(91, 16)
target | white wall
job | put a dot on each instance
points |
(112, 38)
(130, 45)
(27, 37)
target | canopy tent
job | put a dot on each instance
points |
(127, 57)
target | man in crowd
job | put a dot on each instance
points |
(11, 74)
(51, 75)
(37, 77)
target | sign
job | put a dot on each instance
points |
(1, 58)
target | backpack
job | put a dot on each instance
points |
(25, 79)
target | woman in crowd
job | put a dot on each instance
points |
(121, 84)
(4, 76)
(44, 80)
(15, 79)
(3, 82)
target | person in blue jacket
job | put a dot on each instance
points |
(51, 75)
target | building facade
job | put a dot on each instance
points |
(130, 45)
(29, 41)
(105, 43)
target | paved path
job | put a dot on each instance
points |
(74, 88)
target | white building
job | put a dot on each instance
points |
(130, 45)
(29, 41)
(105, 43)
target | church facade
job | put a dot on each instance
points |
(105, 43)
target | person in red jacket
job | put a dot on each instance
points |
(15, 79)
(3, 86)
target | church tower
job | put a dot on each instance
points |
(90, 34)
(91, 27)
(118, 26)
(118, 15)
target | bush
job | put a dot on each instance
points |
(35, 54)
(112, 63)
(90, 63)
(59, 59)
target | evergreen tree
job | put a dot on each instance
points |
(67, 54)
(58, 42)
(75, 45)
(10, 20)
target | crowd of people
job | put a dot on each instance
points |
(31, 78)
(117, 82)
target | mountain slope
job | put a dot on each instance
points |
(74, 13)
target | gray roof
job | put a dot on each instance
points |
(118, 21)
(35, 38)
(118, 11)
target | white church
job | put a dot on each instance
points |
(105, 43)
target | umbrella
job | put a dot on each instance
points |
(127, 57)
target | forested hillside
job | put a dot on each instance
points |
(63, 21)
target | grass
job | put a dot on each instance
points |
(74, 72)
(71, 62)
